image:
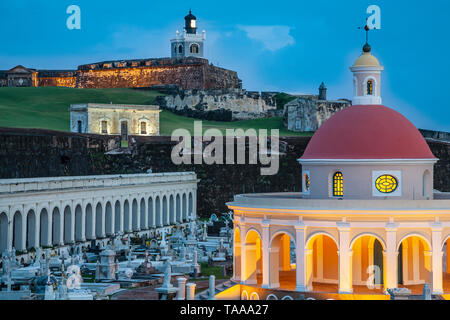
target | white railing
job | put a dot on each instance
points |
(58, 183)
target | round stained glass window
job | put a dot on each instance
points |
(386, 183)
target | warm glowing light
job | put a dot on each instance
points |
(307, 182)
(369, 87)
(338, 184)
(386, 183)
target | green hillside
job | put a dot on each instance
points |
(48, 108)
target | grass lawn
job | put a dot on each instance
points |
(48, 108)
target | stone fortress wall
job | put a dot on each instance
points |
(187, 73)
(26, 153)
(53, 78)
(219, 105)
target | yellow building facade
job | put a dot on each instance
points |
(115, 119)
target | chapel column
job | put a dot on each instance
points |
(236, 262)
(243, 252)
(345, 258)
(265, 252)
(436, 257)
(391, 256)
(300, 262)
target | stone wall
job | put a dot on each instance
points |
(306, 114)
(218, 105)
(187, 73)
(42, 153)
(69, 82)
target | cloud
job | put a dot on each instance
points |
(272, 37)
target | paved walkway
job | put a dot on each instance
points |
(149, 293)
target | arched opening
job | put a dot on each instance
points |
(134, 215)
(143, 226)
(89, 223)
(31, 230)
(56, 226)
(367, 264)
(178, 206)
(184, 213)
(17, 231)
(414, 263)
(237, 254)
(117, 216)
(191, 204)
(3, 232)
(180, 49)
(253, 259)
(158, 211)
(282, 262)
(338, 184)
(67, 225)
(427, 185)
(78, 223)
(322, 263)
(108, 219)
(98, 220)
(370, 86)
(151, 222)
(171, 210)
(43, 230)
(126, 216)
(165, 212)
(194, 48)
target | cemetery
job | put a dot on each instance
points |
(168, 263)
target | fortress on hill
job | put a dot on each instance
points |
(187, 68)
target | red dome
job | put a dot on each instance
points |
(367, 132)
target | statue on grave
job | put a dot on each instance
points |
(205, 231)
(167, 274)
(74, 278)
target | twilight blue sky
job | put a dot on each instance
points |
(273, 45)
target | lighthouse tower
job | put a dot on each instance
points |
(366, 78)
(188, 43)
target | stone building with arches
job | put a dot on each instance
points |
(367, 219)
(58, 211)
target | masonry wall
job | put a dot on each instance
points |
(305, 114)
(187, 73)
(218, 105)
(69, 82)
(42, 153)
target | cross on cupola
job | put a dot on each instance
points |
(366, 76)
